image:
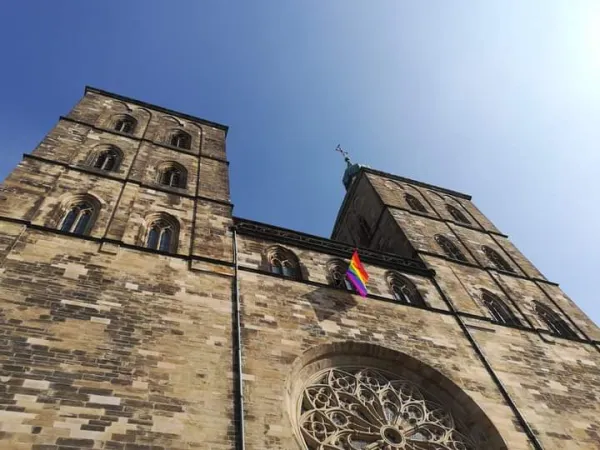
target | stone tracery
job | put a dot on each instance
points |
(368, 409)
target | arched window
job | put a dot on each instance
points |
(337, 275)
(283, 262)
(125, 124)
(553, 321)
(457, 214)
(449, 248)
(496, 259)
(162, 233)
(364, 232)
(181, 139)
(498, 309)
(108, 159)
(79, 217)
(414, 203)
(404, 290)
(172, 174)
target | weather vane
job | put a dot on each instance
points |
(344, 153)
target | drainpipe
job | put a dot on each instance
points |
(239, 385)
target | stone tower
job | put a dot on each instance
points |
(137, 313)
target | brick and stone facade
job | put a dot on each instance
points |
(108, 344)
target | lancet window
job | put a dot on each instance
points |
(554, 322)
(500, 312)
(449, 248)
(496, 259)
(457, 214)
(414, 203)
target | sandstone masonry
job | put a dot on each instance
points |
(124, 283)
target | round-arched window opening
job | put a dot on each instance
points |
(355, 401)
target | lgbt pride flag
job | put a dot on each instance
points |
(357, 275)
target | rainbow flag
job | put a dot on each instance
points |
(357, 275)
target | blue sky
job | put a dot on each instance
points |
(500, 100)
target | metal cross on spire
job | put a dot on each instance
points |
(344, 154)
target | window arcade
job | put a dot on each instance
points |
(283, 262)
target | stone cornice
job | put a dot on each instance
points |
(486, 268)
(453, 222)
(156, 108)
(103, 240)
(366, 170)
(416, 183)
(334, 248)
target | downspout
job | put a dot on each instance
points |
(537, 445)
(239, 385)
(14, 244)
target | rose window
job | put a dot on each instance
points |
(367, 409)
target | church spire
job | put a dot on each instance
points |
(351, 169)
(344, 154)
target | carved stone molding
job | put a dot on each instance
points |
(331, 247)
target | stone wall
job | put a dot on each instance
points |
(282, 319)
(111, 351)
(539, 369)
(106, 344)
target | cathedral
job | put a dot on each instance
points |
(138, 313)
